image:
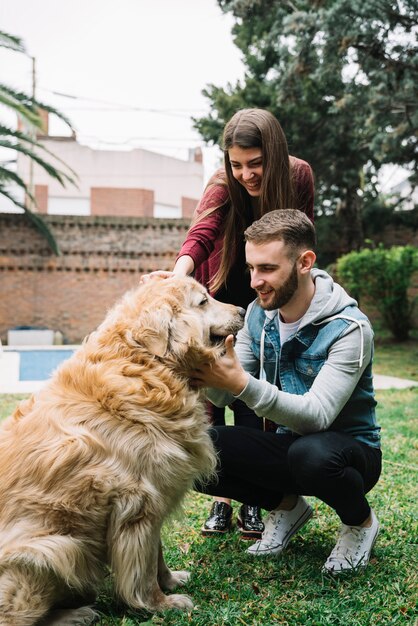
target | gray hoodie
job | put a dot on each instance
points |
(341, 385)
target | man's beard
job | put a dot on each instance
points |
(283, 294)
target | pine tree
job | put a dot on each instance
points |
(342, 78)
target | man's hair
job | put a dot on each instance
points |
(291, 226)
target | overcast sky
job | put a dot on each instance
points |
(132, 71)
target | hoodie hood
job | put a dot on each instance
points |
(329, 299)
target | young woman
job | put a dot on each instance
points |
(258, 176)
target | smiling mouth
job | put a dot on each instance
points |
(254, 185)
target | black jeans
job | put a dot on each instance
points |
(262, 467)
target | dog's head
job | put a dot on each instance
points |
(177, 320)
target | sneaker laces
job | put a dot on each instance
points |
(348, 543)
(271, 528)
(274, 520)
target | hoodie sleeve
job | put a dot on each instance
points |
(315, 410)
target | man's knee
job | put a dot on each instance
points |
(311, 457)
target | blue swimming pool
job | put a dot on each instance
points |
(39, 364)
(24, 363)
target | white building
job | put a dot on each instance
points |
(121, 183)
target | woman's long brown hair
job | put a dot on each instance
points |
(252, 128)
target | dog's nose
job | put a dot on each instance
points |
(241, 311)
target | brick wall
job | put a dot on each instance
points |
(188, 206)
(102, 257)
(123, 202)
(41, 196)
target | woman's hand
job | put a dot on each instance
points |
(184, 267)
(156, 274)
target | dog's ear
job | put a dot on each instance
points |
(186, 340)
(156, 342)
(153, 331)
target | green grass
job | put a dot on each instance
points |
(396, 359)
(230, 588)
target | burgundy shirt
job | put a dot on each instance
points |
(204, 241)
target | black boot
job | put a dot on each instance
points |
(249, 522)
(219, 521)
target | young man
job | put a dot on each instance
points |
(302, 360)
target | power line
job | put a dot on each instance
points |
(135, 139)
(126, 107)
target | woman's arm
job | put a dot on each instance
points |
(203, 233)
(184, 266)
(207, 229)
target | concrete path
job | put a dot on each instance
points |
(380, 382)
(391, 382)
(22, 386)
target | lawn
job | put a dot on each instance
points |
(396, 359)
(230, 588)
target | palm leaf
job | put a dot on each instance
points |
(28, 108)
(58, 175)
(9, 132)
(11, 42)
(54, 111)
(26, 112)
(7, 175)
(36, 220)
(29, 105)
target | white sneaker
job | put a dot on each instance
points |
(353, 547)
(279, 528)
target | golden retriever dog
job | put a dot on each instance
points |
(93, 463)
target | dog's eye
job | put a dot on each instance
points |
(203, 302)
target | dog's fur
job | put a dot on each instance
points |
(92, 465)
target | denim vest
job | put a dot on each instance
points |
(294, 365)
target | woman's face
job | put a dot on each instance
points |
(247, 168)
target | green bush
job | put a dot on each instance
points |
(383, 275)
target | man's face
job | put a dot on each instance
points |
(274, 275)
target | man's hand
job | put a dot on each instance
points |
(225, 373)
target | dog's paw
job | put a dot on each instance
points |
(175, 579)
(181, 577)
(83, 616)
(178, 601)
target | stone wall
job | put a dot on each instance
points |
(101, 258)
